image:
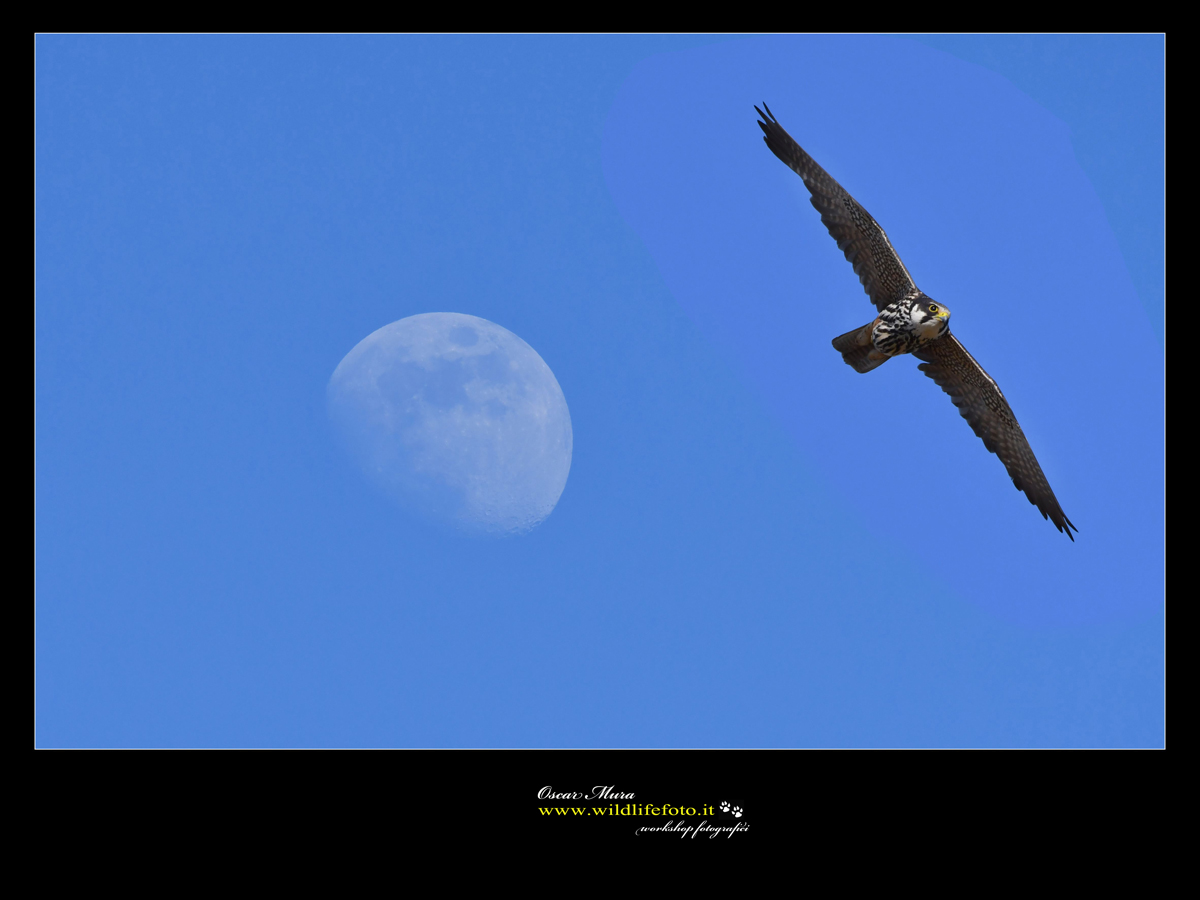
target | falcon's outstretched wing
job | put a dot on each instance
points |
(859, 236)
(980, 402)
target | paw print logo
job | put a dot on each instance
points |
(737, 812)
(724, 807)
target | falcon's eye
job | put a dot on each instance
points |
(933, 307)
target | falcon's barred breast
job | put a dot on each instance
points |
(909, 321)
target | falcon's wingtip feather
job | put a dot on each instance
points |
(767, 116)
(1064, 526)
(1070, 525)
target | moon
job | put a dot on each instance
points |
(457, 419)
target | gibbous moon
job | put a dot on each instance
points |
(456, 418)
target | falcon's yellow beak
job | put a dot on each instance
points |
(943, 313)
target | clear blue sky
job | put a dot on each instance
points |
(220, 219)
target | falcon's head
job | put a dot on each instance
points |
(929, 318)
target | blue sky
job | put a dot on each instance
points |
(220, 220)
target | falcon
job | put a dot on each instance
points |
(909, 321)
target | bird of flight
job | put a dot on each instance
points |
(909, 321)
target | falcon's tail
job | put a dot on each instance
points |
(858, 350)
